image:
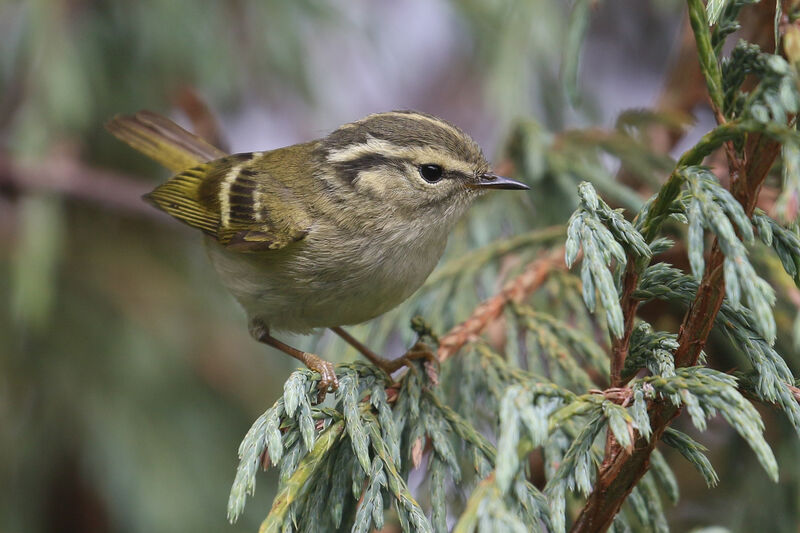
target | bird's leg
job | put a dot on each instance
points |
(328, 379)
(375, 359)
(418, 351)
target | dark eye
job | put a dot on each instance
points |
(430, 173)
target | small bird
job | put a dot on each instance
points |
(326, 233)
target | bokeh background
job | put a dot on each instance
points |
(127, 376)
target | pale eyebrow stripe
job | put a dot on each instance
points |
(426, 154)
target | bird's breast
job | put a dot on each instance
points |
(330, 278)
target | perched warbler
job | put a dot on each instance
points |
(322, 234)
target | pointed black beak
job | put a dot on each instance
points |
(493, 181)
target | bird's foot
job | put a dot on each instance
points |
(417, 352)
(328, 381)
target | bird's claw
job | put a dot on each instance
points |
(418, 351)
(328, 381)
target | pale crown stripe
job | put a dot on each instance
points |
(431, 120)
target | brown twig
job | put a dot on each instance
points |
(684, 89)
(618, 477)
(619, 347)
(204, 124)
(795, 392)
(489, 310)
(62, 171)
(620, 472)
(66, 175)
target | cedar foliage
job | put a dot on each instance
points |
(589, 387)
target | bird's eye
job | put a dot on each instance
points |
(430, 173)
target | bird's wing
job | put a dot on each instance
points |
(224, 196)
(237, 201)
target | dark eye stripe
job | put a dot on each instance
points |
(348, 171)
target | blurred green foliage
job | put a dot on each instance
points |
(127, 377)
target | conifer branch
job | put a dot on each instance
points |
(621, 471)
(705, 51)
(620, 346)
(516, 290)
(598, 443)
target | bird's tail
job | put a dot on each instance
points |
(162, 140)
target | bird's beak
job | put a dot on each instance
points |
(493, 181)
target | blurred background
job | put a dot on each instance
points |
(127, 376)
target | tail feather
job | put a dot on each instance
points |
(162, 140)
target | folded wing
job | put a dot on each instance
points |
(232, 198)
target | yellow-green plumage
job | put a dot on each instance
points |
(162, 140)
(327, 233)
(241, 207)
(180, 198)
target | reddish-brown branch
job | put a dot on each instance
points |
(62, 172)
(204, 123)
(795, 392)
(489, 310)
(66, 175)
(620, 472)
(619, 347)
(683, 90)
